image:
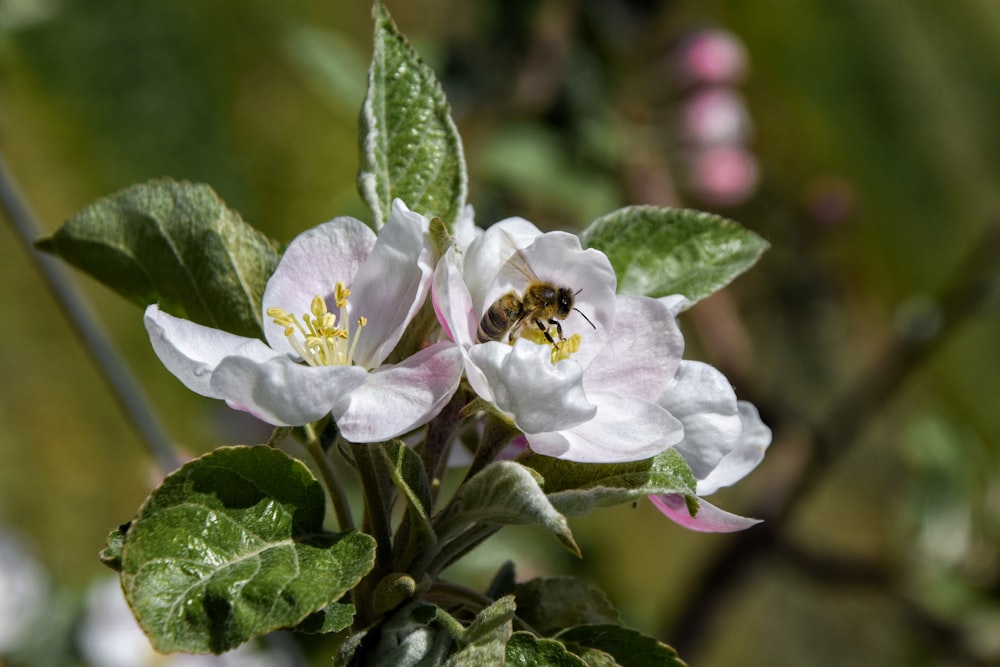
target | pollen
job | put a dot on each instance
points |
(562, 348)
(321, 337)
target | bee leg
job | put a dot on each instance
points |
(544, 328)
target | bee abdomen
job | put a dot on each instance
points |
(499, 318)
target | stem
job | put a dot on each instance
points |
(341, 506)
(125, 388)
(375, 487)
(440, 433)
(278, 436)
(497, 435)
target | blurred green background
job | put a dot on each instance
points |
(873, 131)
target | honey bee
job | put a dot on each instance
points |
(542, 304)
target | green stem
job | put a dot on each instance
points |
(496, 435)
(374, 485)
(440, 434)
(278, 436)
(341, 506)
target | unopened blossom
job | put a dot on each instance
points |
(724, 439)
(587, 395)
(335, 307)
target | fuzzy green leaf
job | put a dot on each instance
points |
(175, 244)
(332, 618)
(526, 650)
(111, 554)
(578, 488)
(550, 604)
(232, 546)
(503, 493)
(629, 648)
(410, 146)
(661, 251)
(484, 642)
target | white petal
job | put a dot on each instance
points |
(283, 392)
(490, 251)
(311, 266)
(392, 285)
(398, 398)
(452, 301)
(710, 519)
(754, 439)
(193, 351)
(465, 230)
(524, 383)
(624, 429)
(702, 398)
(677, 303)
(642, 353)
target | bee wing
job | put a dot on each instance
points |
(516, 271)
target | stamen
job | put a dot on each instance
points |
(315, 336)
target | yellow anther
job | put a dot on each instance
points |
(340, 294)
(318, 307)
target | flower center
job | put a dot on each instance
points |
(320, 337)
(562, 348)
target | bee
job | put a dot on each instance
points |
(541, 303)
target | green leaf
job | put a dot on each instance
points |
(332, 618)
(526, 650)
(111, 554)
(175, 244)
(551, 604)
(232, 546)
(410, 146)
(503, 493)
(579, 488)
(484, 641)
(629, 648)
(661, 251)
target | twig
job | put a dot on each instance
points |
(82, 318)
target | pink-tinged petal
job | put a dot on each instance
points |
(193, 351)
(311, 266)
(624, 429)
(490, 251)
(465, 230)
(523, 382)
(398, 398)
(392, 284)
(643, 352)
(282, 392)
(710, 519)
(702, 398)
(754, 439)
(452, 301)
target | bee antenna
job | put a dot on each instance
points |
(584, 316)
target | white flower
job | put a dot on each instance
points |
(588, 398)
(337, 304)
(724, 439)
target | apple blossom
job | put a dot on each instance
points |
(356, 293)
(588, 398)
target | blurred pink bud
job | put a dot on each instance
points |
(714, 116)
(723, 175)
(712, 56)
